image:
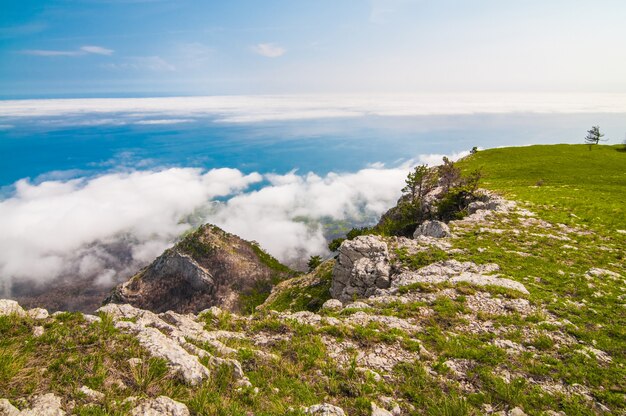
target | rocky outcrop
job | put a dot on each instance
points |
(210, 267)
(453, 271)
(362, 267)
(432, 228)
(168, 336)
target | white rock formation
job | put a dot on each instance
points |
(362, 267)
(454, 271)
(332, 305)
(433, 228)
(9, 307)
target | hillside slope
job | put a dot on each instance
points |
(514, 313)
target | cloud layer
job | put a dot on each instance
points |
(246, 109)
(108, 227)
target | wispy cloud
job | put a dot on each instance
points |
(83, 50)
(269, 50)
(150, 63)
(98, 50)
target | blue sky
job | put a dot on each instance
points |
(180, 47)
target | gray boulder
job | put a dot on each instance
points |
(362, 267)
(433, 228)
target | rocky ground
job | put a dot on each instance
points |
(498, 313)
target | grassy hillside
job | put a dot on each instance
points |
(448, 348)
(568, 179)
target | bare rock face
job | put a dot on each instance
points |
(210, 267)
(361, 268)
(433, 228)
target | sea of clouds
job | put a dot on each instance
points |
(107, 227)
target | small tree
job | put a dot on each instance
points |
(314, 261)
(418, 183)
(449, 175)
(593, 136)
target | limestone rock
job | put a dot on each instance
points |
(332, 305)
(362, 267)
(357, 305)
(37, 331)
(9, 307)
(161, 346)
(37, 313)
(454, 271)
(91, 395)
(161, 406)
(324, 409)
(379, 411)
(45, 405)
(433, 228)
(516, 411)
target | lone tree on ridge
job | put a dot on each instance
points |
(593, 136)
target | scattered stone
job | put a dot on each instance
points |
(37, 313)
(379, 411)
(324, 409)
(332, 305)
(90, 319)
(597, 272)
(91, 395)
(433, 228)
(45, 405)
(10, 307)
(161, 406)
(362, 267)
(357, 305)
(516, 411)
(37, 331)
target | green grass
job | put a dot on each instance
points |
(570, 179)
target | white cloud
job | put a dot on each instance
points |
(83, 50)
(47, 52)
(269, 50)
(259, 108)
(121, 221)
(98, 50)
(62, 227)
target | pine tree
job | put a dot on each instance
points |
(593, 136)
